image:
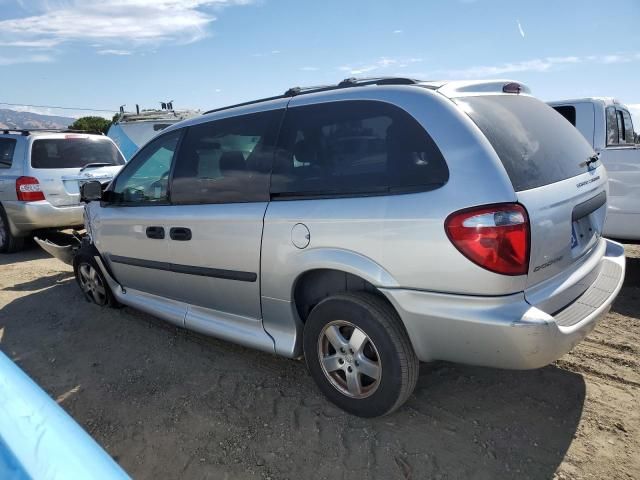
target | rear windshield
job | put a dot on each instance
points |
(536, 145)
(74, 152)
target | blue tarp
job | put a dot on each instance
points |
(10, 468)
(125, 144)
(40, 440)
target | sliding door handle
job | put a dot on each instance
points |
(155, 232)
(181, 234)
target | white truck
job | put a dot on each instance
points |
(608, 127)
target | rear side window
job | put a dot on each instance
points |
(567, 112)
(74, 152)
(619, 127)
(613, 135)
(354, 147)
(621, 131)
(7, 147)
(629, 134)
(227, 160)
(536, 146)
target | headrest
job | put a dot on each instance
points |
(306, 151)
(232, 162)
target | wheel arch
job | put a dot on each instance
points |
(312, 286)
(324, 272)
(292, 288)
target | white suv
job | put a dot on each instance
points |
(40, 176)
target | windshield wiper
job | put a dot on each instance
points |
(95, 165)
(592, 159)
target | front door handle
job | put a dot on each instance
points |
(181, 234)
(155, 232)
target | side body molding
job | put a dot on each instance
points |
(171, 311)
(280, 274)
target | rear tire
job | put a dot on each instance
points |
(359, 354)
(92, 282)
(9, 243)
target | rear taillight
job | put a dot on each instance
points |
(28, 189)
(496, 237)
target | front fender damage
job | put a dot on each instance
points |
(62, 246)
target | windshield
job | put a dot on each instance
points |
(536, 145)
(75, 152)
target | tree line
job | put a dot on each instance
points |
(93, 124)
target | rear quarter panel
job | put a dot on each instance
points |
(402, 234)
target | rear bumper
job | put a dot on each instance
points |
(24, 217)
(505, 332)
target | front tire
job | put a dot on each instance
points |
(92, 282)
(359, 354)
(9, 243)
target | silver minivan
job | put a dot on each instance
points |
(369, 226)
(40, 175)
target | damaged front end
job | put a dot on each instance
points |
(63, 247)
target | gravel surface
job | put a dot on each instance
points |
(166, 403)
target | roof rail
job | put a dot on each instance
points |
(28, 131)
(359, 82)
(7, 131)
(346, 83)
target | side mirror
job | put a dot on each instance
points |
(90, 191)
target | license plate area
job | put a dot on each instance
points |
(584, 235)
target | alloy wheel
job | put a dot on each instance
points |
(91, 284)
(349, 359)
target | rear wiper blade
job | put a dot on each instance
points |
(95, 165)
(592, 159)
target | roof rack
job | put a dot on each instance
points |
(346, 83)
(28, 131)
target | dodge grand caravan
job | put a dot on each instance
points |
(368, 226)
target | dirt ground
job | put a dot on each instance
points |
(166, 403)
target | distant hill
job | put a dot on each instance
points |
(14, 119)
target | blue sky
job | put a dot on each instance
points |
(208, 53)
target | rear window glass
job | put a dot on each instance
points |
(74, 152)
(7, 146)
(536, 146)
